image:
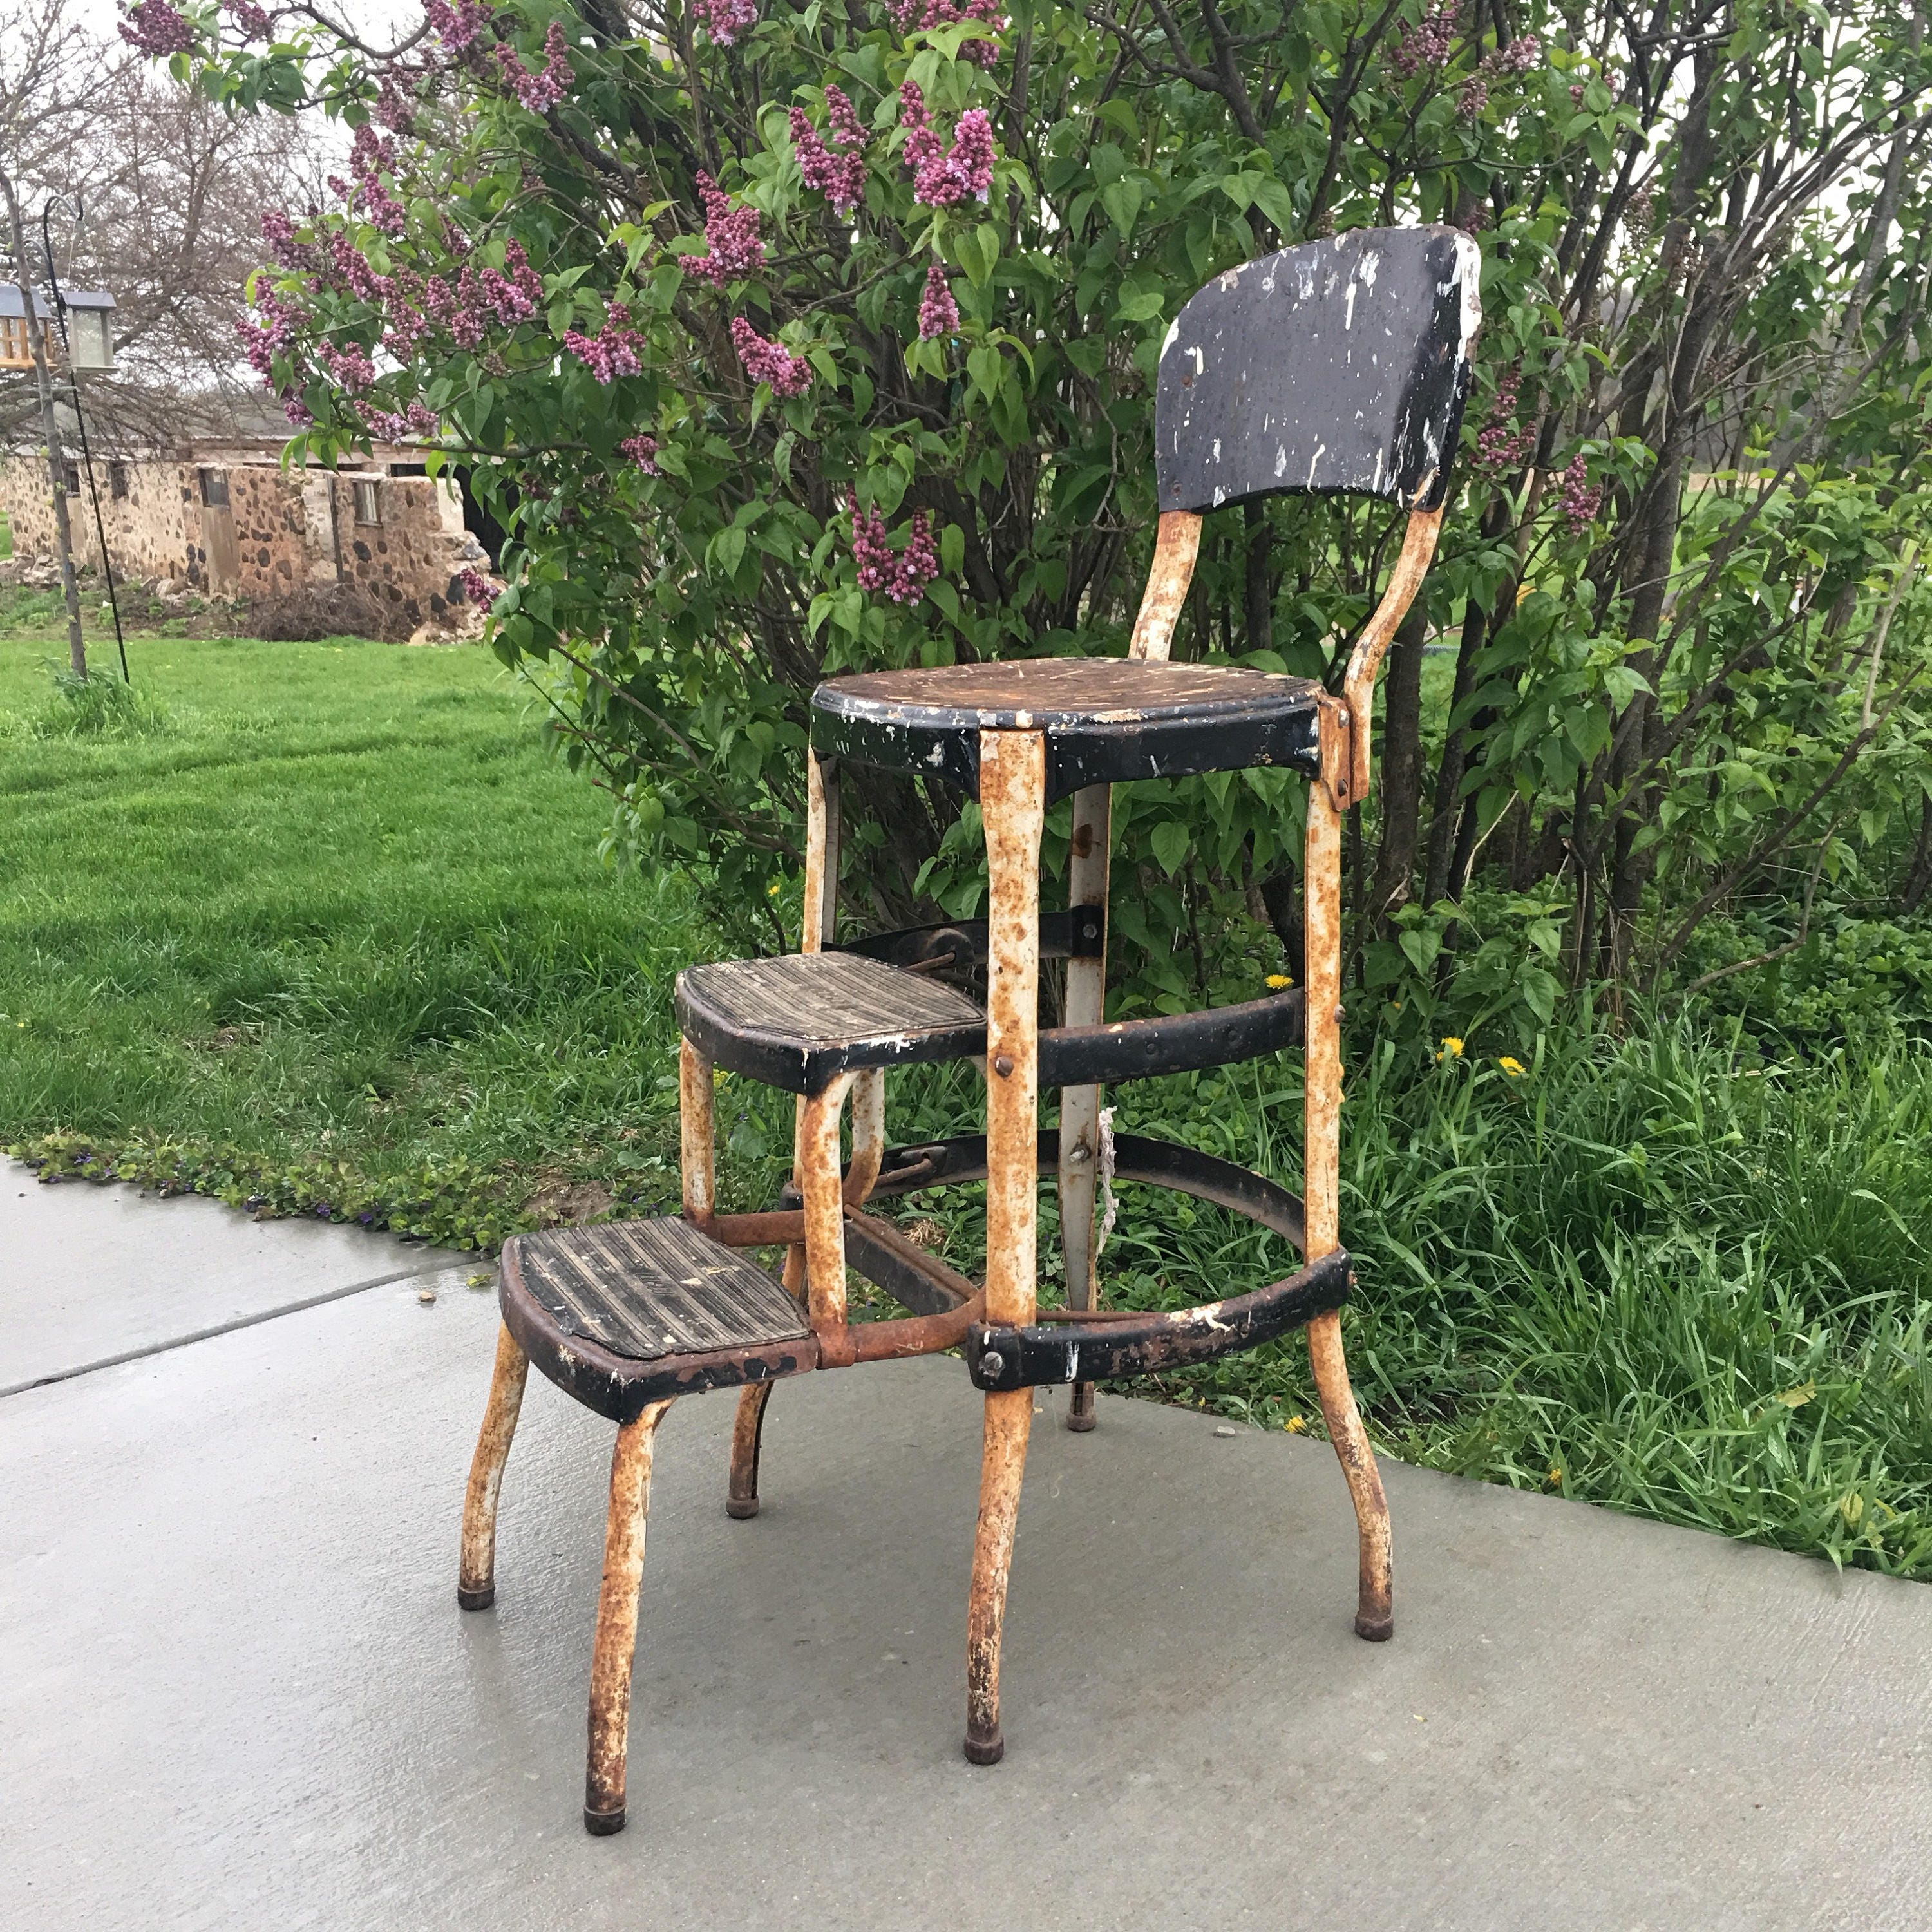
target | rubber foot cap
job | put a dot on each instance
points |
(1375, 1630)
(1081, 1420)
(603, 1824)
(986, 1750)
(741, 1509)
(476, 1600)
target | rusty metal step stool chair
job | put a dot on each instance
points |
(1337, 366)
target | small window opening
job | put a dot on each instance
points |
(368, 502)
(214, 489)
(71, 476)
(117, 480)
(409, 469)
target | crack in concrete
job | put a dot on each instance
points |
(225, 1328)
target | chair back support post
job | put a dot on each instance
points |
(1177, 543)
(1358, 687)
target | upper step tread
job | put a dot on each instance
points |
(798, 1021)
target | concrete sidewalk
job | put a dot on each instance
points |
(235, 1689)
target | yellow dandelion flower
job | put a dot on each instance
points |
(1294, 1425)
(1513, 1067)
(1555, 1477)
(1275, 982)
(1452, 1049)
(772, 890)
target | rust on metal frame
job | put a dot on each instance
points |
(1358, 687)
(476, 1573)
(696, 1134)
(819, 928)
(1177, 543)
(868, 1134)
(1087, 871)
(1013, 791)
(616, 1640)
(1321, 899)
(817, 1174)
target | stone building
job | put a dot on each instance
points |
(224, 517)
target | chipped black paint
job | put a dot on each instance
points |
(1106, 721)
(1334, 366)
(998, 1359)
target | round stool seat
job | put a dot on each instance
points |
(1106, 720)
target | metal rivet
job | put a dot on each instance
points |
(1003, 1065)
(993, 1364)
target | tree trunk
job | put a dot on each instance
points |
(1401, 774)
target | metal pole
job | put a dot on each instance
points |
(37, 344)
(80, 422)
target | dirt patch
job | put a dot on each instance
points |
(561, 1202)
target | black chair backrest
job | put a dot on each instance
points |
(1334, 366)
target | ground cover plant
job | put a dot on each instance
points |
(320, 929)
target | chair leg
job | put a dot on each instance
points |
(1012, 791)
(476, 1574)
(747, 1426)
(1009, 1422)
(1321, 901)
(1375, 1613)
(616, 1640)
(1086, 1004)
(748, 1430)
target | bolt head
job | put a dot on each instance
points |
(993, 1364)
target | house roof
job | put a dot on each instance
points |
(10, 303)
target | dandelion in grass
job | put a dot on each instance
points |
(1512, 1066)
(1296, 1425)
(1452, 1049)
(1276, 982)
(1555, 1479)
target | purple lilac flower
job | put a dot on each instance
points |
(476, 587)
(1579, 498)
(1521, 55)
(541, 91)
(393, 425)
(771, 362)
(914, 15)
(938, 313)
(940, 180)
(394, 109)
(1473, 97)
(901, 576)
(1498, 447)
(153, 27)
(298, 411)
(613, 351)
(1427, 43)
(458, 26)
(725, 20)
(643, 450)
(252, 20)
(279, 232)
(840, 178)
(349, 365)
(730, 234)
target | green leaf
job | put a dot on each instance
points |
(1170, 841)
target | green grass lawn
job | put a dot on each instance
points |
(337, 930)
(319, 928)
